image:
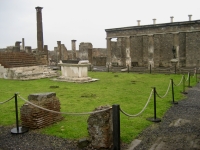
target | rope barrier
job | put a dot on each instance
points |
(187, 77)
(141, 110)
(179, 82)
(85, 113)
(7, 100)
(166, 91)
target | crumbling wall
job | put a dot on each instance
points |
(83, 50)
(27, 73)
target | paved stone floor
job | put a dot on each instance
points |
(179, 128)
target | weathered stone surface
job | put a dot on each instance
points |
(40, 96)
(100, 128)
(83, 143)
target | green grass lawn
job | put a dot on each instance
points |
(129, 90)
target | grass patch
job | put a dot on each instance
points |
(129, 90)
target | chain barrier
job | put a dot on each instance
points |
(7, 100)
(66, 113)
(179, 82)
(141, 110)
(166, 91)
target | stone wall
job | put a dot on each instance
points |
(152, 44)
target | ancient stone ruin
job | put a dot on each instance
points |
(33, 117)
(100, 128)
(144, 45)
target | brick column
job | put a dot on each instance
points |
(39, 28)
(128, 48)
(108, 51)
(47, 53)
(74, 49)
(16, 48)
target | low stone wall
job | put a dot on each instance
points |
(27, 73)
(33, 117)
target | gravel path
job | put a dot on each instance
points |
(178, 130)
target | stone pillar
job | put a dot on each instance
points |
(176, 46)
(138, 22)
(172, 18)
(190, 17)
(39, 29)
(90, 55)
(109, 51)
(23, 44)
(28, 49)
(47, 53)
(74, 49)
(154, 21)
(59, 50)
(128, 49)
(150, 51)
(16, 48)
(56, 54)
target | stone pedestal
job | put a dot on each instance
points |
(74, 73)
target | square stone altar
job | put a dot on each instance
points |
(74, 73)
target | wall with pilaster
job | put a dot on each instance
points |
(192, 48)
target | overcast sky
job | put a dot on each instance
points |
(84, 20)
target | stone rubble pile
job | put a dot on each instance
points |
(33, 117)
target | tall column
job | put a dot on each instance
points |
(74, 49)
(59, 50)
(23, 44)
(128, 48)
(108, 51)
(39, 28)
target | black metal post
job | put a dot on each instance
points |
(189, 81)
(18, 129)
(150, 68)
(128, 68)
(155, 119)
(172, 84)
(184, 85)
(196, 75)
(175, 68)
(116, 127)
